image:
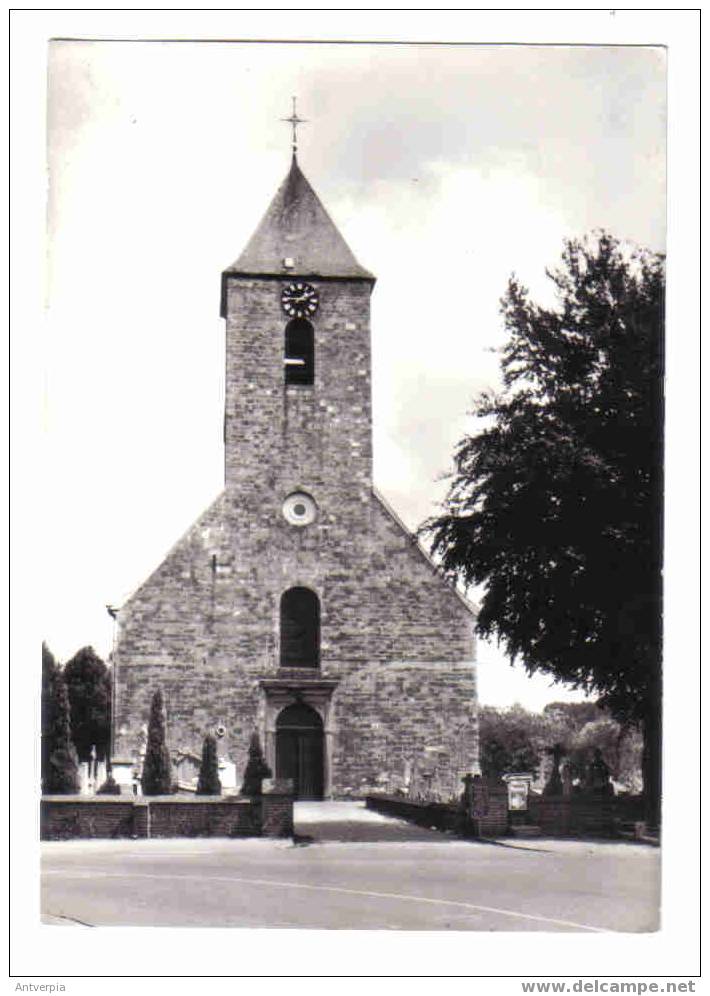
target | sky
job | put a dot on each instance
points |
(446, 168)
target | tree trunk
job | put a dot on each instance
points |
(652, 757)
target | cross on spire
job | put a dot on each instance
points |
(294, 121)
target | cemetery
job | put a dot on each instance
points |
(182, 795)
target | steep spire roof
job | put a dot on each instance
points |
(297, 227)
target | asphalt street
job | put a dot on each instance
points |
(352, 869)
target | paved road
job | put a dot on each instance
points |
(353, 869)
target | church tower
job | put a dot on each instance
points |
(298, 406)
(298, 604)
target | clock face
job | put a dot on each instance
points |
(299, 300)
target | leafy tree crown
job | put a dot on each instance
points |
(89, 687)
(555, 505)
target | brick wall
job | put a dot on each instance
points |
(141, 818)
(489, 810)
(488, 816)
(436, 816)
(570, 815)
(276, 815)
(198, 817)
(67, 817)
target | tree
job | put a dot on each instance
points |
(555, 505)
(620, 746)
(509, 741)
(256, 769)
(157, 771)
(49, 672)
(517, 740)
(60, 775)
(574, 714)
(208, 782)
(89, 687)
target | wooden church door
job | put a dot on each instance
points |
(299, 750)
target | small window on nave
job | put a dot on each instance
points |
(299, 352)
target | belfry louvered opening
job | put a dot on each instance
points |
(299, 352)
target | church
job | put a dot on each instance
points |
(298, 604)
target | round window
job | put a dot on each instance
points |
(299, 509)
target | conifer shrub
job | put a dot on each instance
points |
(157, 778)
(49, 671)
(208, 782)
(88, 682)
(61, 774)
(256, 769)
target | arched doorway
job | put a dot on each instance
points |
(299, 750)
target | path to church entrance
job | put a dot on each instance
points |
(352, 822)
(349, 868)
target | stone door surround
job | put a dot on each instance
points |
(315, 692)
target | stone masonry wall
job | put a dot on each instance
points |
(205, 626)
(405, 726)
(398, 641)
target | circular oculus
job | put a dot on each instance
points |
(299, 509)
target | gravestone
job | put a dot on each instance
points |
(518, 790)
(596, 780)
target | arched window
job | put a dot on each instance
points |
(299, 354)
(300, 628)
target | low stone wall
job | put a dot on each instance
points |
(276, 815)
(487, 815)
(572, 815)
(436, 815)
(63, 817)
(203, 817)
(630, 808)
(67, 817)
